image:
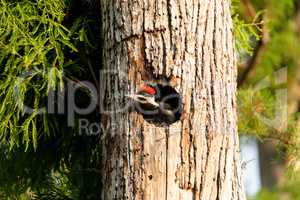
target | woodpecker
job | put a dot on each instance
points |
(158, 103)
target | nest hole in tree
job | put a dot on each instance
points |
(170, 106)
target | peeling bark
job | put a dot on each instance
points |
(197, 157)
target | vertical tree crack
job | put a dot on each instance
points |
(170, 26)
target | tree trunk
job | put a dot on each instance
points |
(272, 171)
(198, 156)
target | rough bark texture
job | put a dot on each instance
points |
(197, 157)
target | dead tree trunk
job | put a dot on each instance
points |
(198, 156)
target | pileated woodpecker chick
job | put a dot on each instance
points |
(159, 104)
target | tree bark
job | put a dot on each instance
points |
(198, 156)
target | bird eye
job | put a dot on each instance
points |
(141, 99)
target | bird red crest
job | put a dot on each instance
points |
(148, 89)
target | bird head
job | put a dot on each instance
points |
(146, 95)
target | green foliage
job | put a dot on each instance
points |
(279, 12)
(65, 167)
(60, 188)
(289, 189)
(42, 42)
(253, 105)
(33, 43)
(279, 50)
(272, 58)
(258, 118)
(275, 56)
(246, 34)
